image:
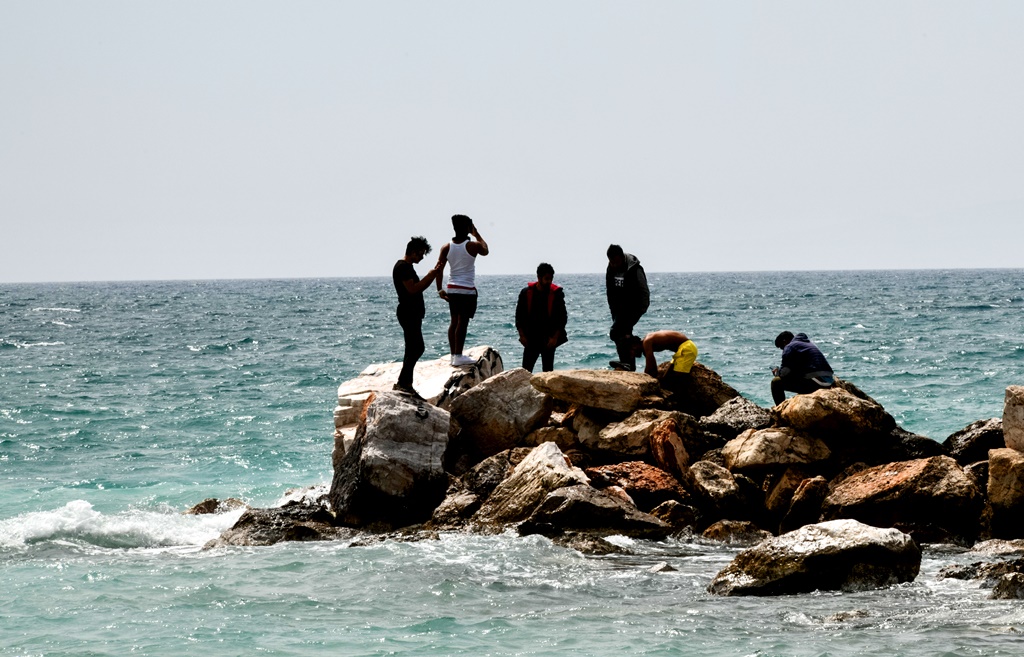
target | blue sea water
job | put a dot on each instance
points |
(121, 404)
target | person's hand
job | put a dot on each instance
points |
(522, 338)
(552, 342)
(442, 294)
(775, 371)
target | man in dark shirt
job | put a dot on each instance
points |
(541, 319)
(628, 299)
(411, 308)
(803, 368)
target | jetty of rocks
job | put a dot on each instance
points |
(834, 492)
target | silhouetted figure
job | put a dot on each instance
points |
(803, 368)
(411, 308)
(460, 293)
(628, 299)
(541, 319)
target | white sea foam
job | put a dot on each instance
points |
(57, 310)
(79, 522)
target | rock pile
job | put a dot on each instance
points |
(582, 454)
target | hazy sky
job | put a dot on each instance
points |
(206, 139)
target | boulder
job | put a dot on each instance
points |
(288, 523)
(1006, 492)
(645, 484)
(565, 438)
(468, 492)
(765, 449)
(545, 470)
(588, 422)
(737, 532)
(721, 494)
(829, 556)
(930, 498)
(903, 445)
(393, 474)
(213, 505)
(583, 508)
(667, 449)
(834, 413)
(436, 380)
(676, 514)
(986, 573)
(498, 412)
(734, 417)
(1013, 418)
(972, 443)
(1009, 587)
(632, 436)
(779, 489)
(605, 389)
(700, 395)
(805, 505)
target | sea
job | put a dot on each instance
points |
(123, 404)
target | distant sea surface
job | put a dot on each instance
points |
(122, 404)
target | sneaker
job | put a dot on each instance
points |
(619, 366)
(459, 360)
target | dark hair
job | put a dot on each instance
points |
(461, 223)
(614, 250)
(782, 339)
(545, 268)
(417, 244)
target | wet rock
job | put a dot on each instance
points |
(1006, 492)
(213, 505)
(289, 523)
(805, 506)
(393, 474)
(721, 494)
(1013, 418)
(584, 508)
(972, 443)
(998, 546)
(837, 555)
(661, 567)
(734, 417)
(604, 389)
(736, 532)
(545, 470)
(763, 449)
(469, 491)
(676, 514)
(1009, 587)
(645, 484)
(904, 445)
(930, 498)
(497, 413)
(987, 573)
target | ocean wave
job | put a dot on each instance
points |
(12, 344)
(57, 310)
(77, 522)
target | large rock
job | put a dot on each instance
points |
(722, 495)
(838, 555)
(436, 380)
(632, 436)
(972, 443)
(545, 470)
(765, 449)
(583, 508)
(647, 485)
(393, 474)
(497, 413)
(734, 417)
(834, 413)
(805, 505)
(468, 492)
(293, 522)
(607, 389)
(930, 498)
(1013, 418)
(1006, 492)
(700, 395)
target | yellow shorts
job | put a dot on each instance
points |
(684, 357)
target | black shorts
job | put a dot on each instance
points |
(463, 305)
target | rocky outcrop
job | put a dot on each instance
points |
(497, 413)
(293, 522)
(805, 505)
(972, 443)
(1013, 418)
(466, 493)
(1006, 492)
(394, 472)
(632, 436)
(720, 494)
(213, 505)
(736, 532)
(837, 555)
(734, 417)
(544, 471)
(699, 395)
(623, 392)
(930, 498)
(763, 449)
(834, 413)
(565, 438)
(583, 508)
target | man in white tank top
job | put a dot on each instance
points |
(460, 294)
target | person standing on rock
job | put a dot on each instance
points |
(541, 318)
(628, 299)
(803, 368)
(411, 308)
(461, 294)
(684, 355)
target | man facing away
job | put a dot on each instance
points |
(411, 308)
(803, 368)
(628, 299)
(541, 318)
(460, 294)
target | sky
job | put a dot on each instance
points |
(167, 140)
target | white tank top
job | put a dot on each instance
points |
(462, 278)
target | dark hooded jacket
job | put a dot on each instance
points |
(541, 314)
(628, 294)
(802, 359)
